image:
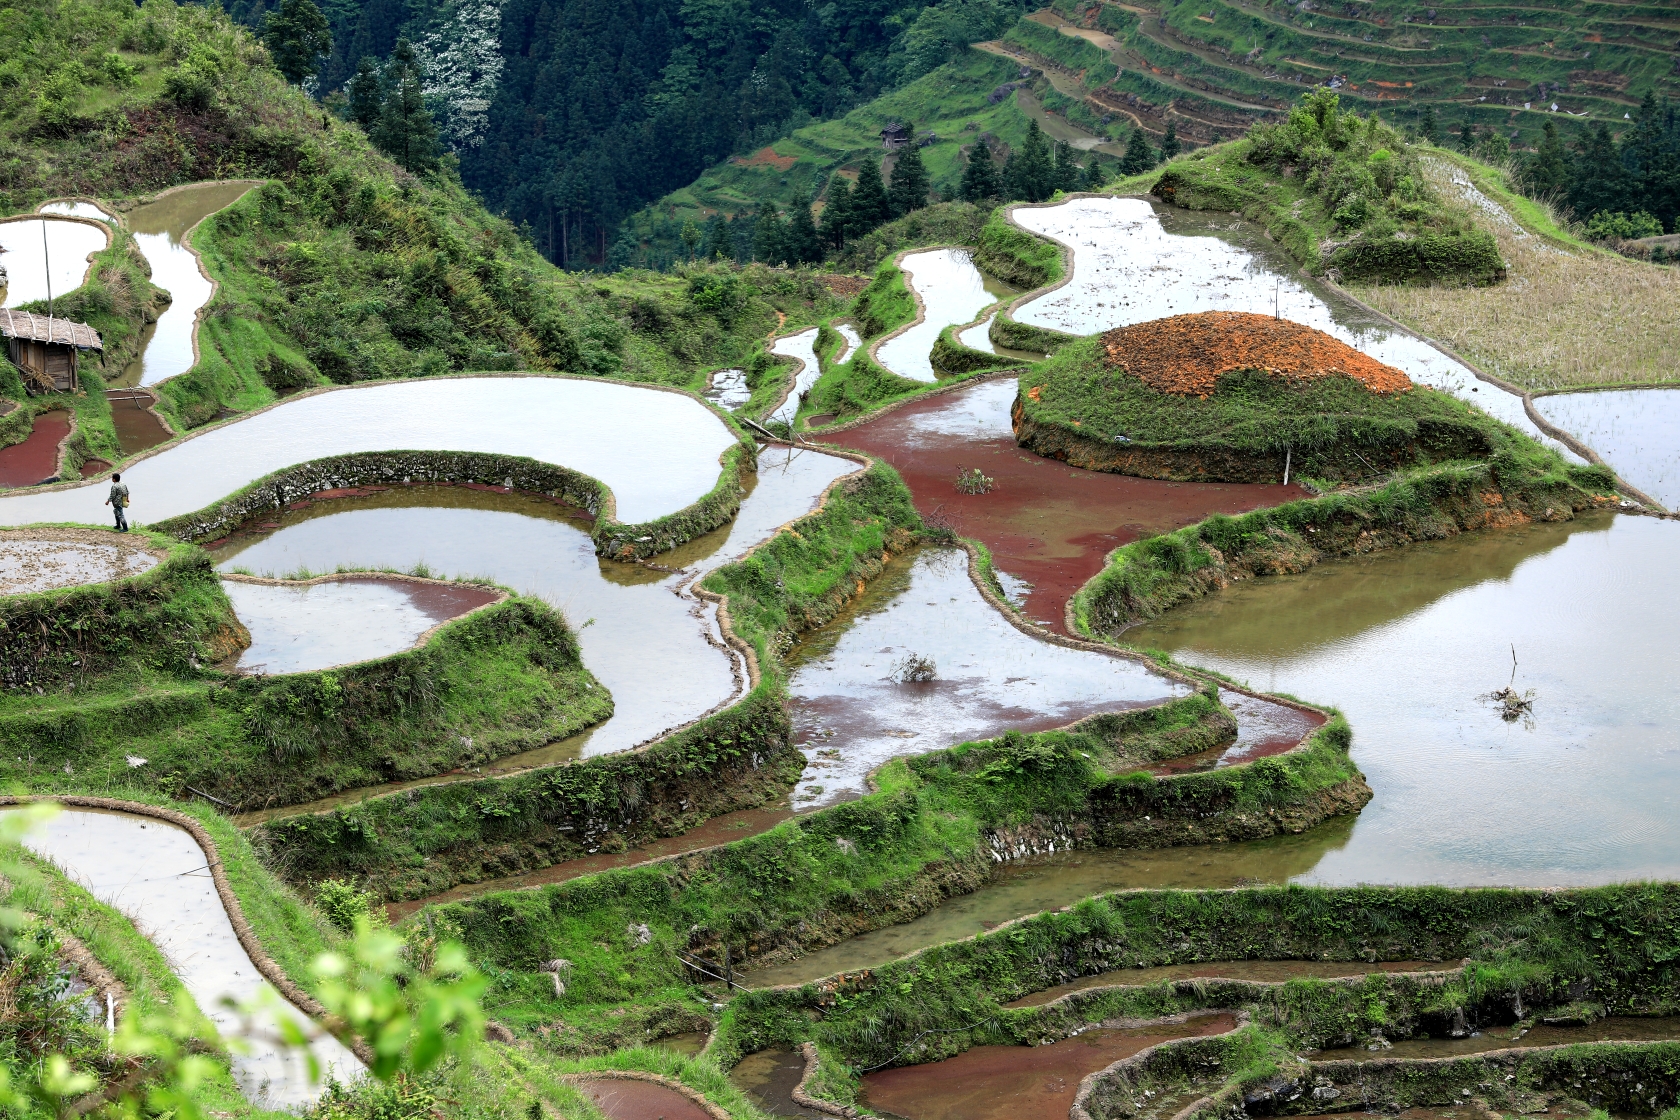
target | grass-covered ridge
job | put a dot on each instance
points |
(1339, 192)
(1086, 406)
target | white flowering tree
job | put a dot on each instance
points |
(461, 58)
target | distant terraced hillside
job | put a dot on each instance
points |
(1498, 66)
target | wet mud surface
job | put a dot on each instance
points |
(621, 1098)
(36, 458)
(1047, 525)
(42, 559)
(1409, 642)
(1019, 1082)
(852, 711)
(1264, 728)
(300, 628)
(1263, 972)
(769, 1078)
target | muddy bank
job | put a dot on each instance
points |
(35, 460)
(43, 559)
(1261, 972)
(1048, 526)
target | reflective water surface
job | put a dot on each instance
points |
(1135, 260)
(155, 874)
(853, 711)
(1407, 642)
(952, 292)
(1636, 431)
(1615, 1028)
(302, 627)
(76, 209)
(160, 232)
(659, 453)
(801, 348)
(24, 256)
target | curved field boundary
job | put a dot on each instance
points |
(1090, 1082)
(265, 964)
(798, 366)
(873, 348)
(625, 540)
(501, 596)
(694, 1095)
(1188, 986)
(102, 227)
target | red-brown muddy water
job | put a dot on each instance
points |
(1019, 1082)
(621, 1098)
(1616, 1028)
(1048, 525)
(1261, 972)
(36, 458)
(138, 428)
(769, 1078)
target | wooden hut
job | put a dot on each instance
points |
(44, 348)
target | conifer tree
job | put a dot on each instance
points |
(1065, 174)
(366, 96)
(870, 207)
(770, 237)
(297, 35)
(1547, 174)
(1029, 174)
(717, 239)
(837, 214)
(406, 129)
(1139, 157)
(980, 177)
(1428, 131)
(909, 189)
(804, 246)
(1170, 146)
(1095, 176)
(1467, 137)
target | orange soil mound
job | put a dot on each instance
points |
(767, 157)
(1188, 353)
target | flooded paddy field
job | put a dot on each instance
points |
(652, 644)
(138, 427)
(28, 245)
(1408, 643)
(625, 1098)
(1048, 526)
(35, 459)
(1637, 431)
(1259, 972)
(1135, 260)
(1021, 1082)
(952, 292)
(852, 711)
(1614, 1028)
(563, 421)
(769, 1077)
(160, 232)
(300, 627)
(44, 559)
(155, 874)
(801, 347)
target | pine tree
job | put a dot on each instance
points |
(1597, 180)
(1428, 131)
(1170, 147)
(1547, 174)
(837, 215)
(1036, 170)
(406, 128)
(1139, 157)
(1011, 187)
(804, 246)
(1467, 137)
(870, 207)
(297, 35)
(1095, 176)
(365, 95)
(717, 239)
(909, 189)
(770, 237)
(1064, 175)
(980, 177)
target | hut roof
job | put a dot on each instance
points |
(39, 328)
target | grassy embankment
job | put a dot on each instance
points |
(109, 101)
(104, 674)
(1578, 953)
(1570, 314)
(1078, 407)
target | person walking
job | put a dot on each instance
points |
(118, 501)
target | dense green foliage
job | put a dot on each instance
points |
(1336, 429)
(505, 679)
(1636, 178)
(1341, 192)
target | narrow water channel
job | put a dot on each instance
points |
(644, 636)
(1135, 260)
(1407, 643)
(657, 451)
(801, 348)
(952, 292)
(853, 708)
(27, 245)
(161, 232)
(1259, 972)
(1616, 1028)
(154, 873)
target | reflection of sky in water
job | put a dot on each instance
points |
(952, 291)
(297, 629)
(853, 341)
(25, 258)
(801, 347)
(159, 881)
(729, 389)
(1405, 643)
(990, 677)
(1637, 431)
(1128, 269)
(75, 210)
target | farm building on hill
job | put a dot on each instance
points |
(895, 136)
(44, 348)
